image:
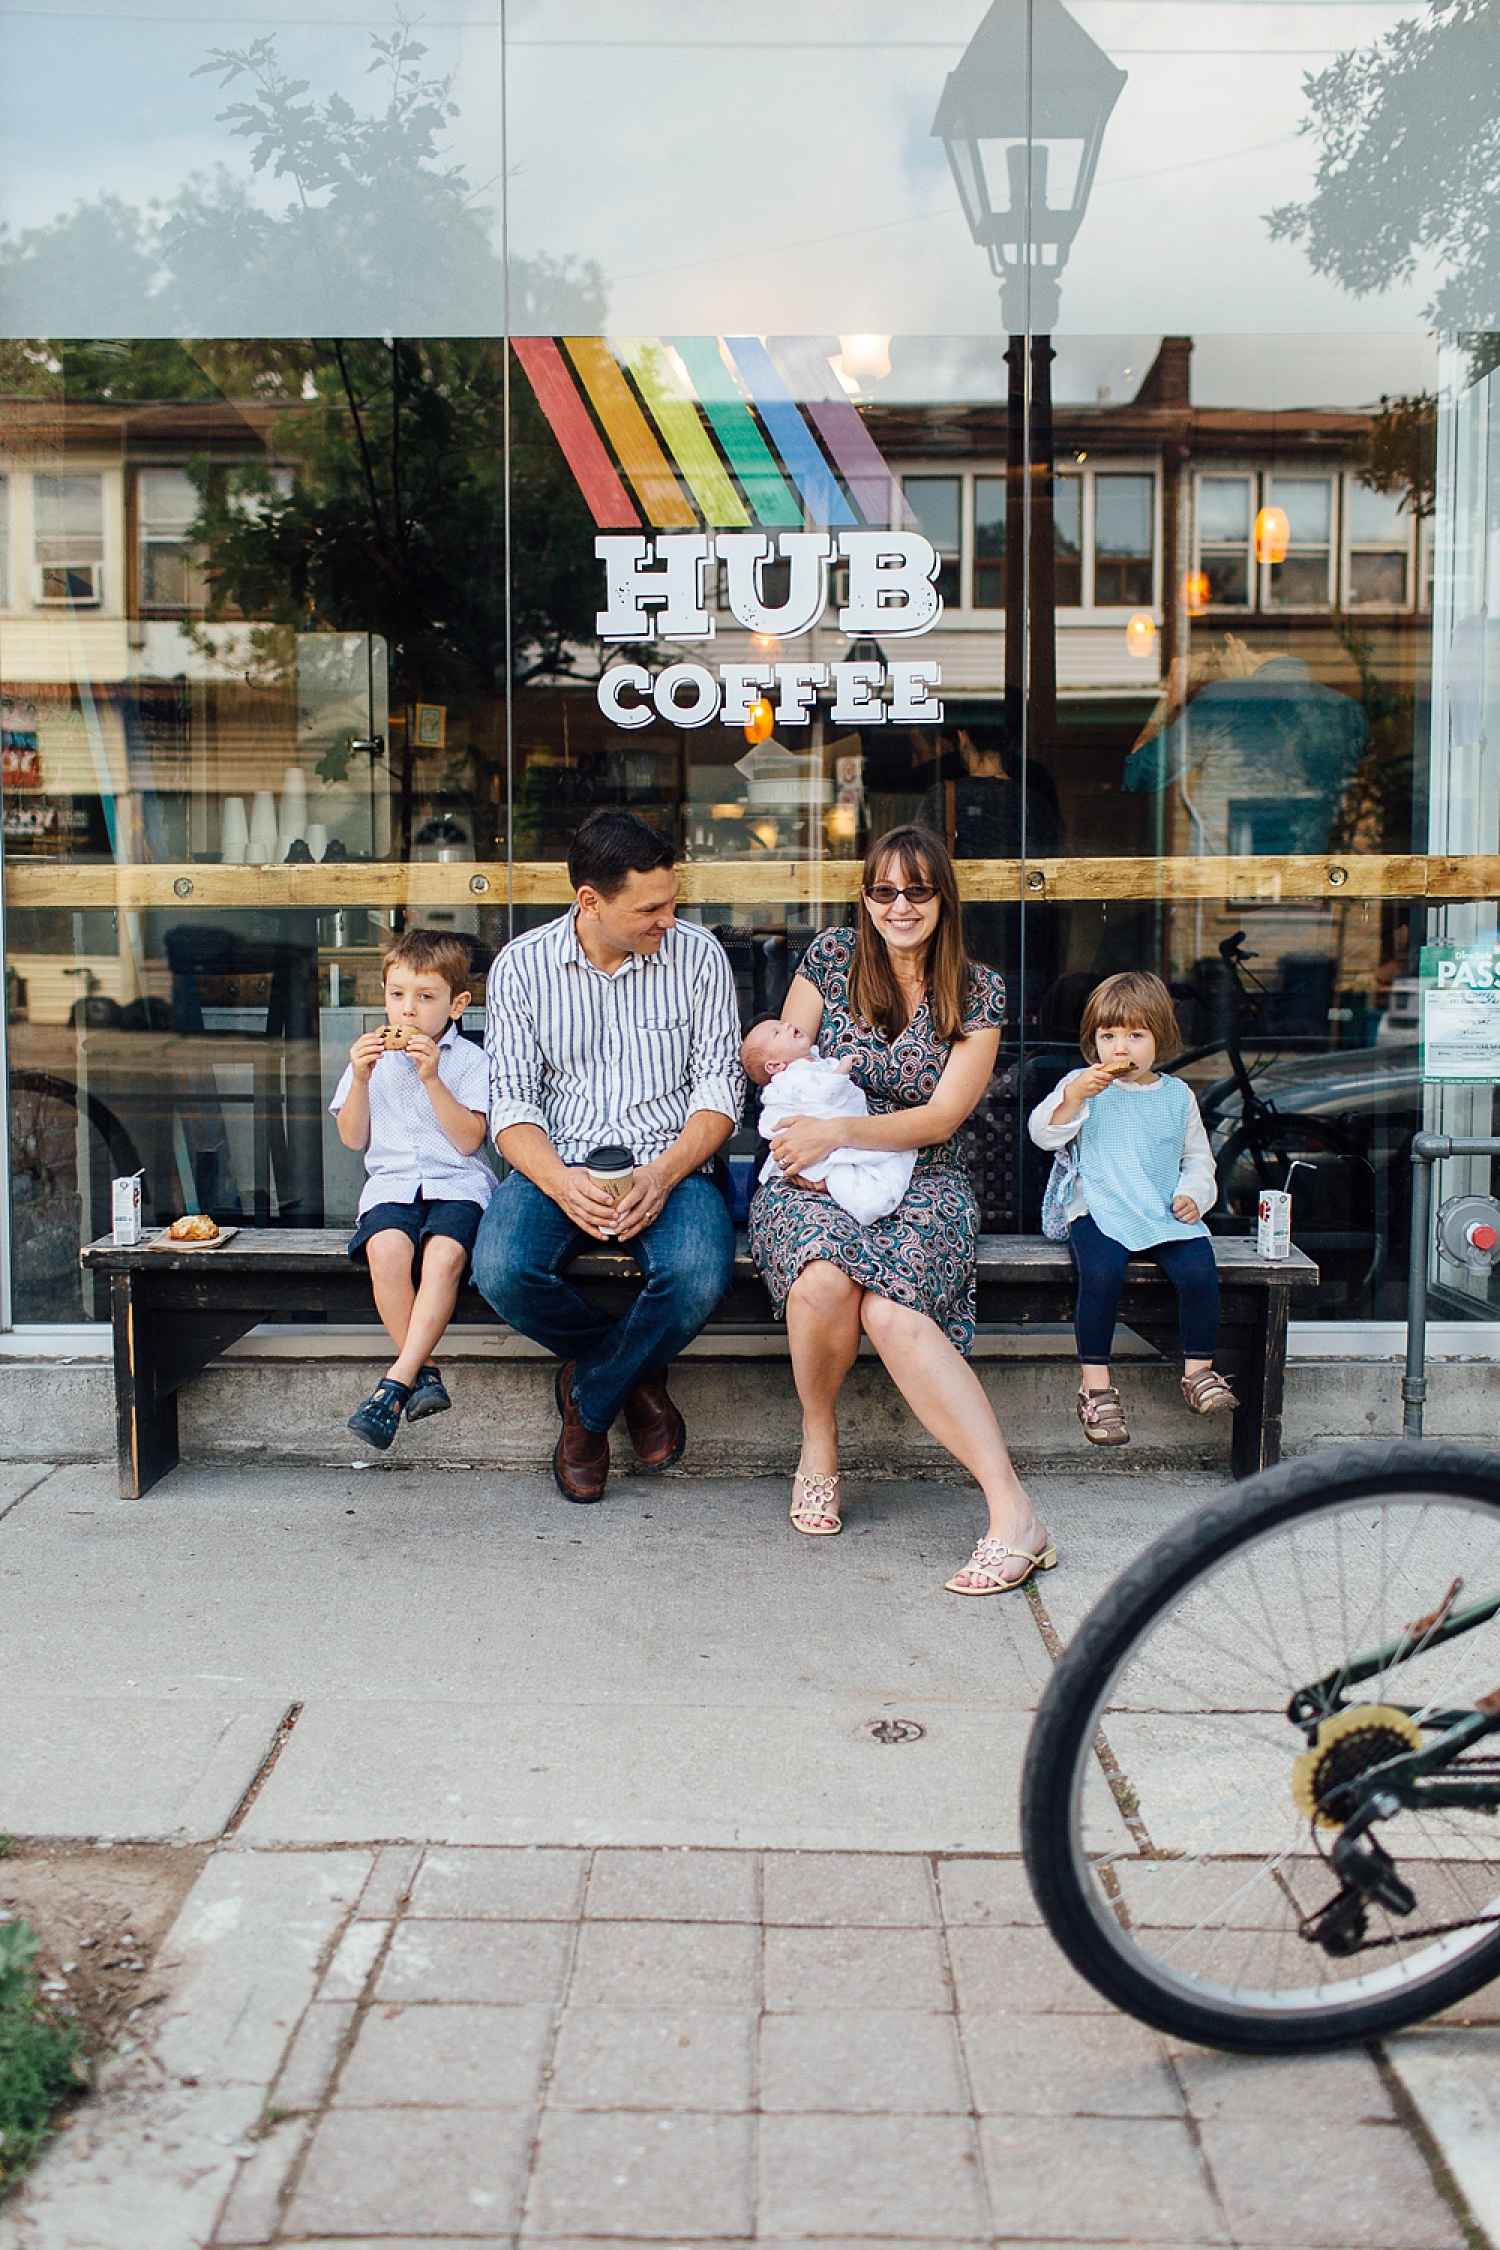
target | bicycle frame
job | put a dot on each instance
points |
(1405, 1777)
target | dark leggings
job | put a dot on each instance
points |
(1101, 1261)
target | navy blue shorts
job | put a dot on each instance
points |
(418, 1221)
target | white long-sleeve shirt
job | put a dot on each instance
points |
(1196, 1176)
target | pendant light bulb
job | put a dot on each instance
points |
(1273, 535)
(1140, 635)
(761, 720)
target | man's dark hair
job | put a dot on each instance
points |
(610, 846)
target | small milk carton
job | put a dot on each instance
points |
(125, 1198)
(1273, 1223)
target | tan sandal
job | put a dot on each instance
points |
(987, 1562)
(1207, 1392)
(816, 1514)
(1103, 1417)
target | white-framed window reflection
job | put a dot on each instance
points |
(937, 504)
(1225, 556)
(68, 540)
(171, 566)
(1378, 548)
(1303, 578)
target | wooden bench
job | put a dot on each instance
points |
(174, 1310)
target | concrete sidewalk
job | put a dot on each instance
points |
(453, 1977)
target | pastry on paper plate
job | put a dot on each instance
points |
(196, 1227)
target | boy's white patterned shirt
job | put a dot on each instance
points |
(409, 1154)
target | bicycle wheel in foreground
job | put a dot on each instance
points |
(1257, 1807)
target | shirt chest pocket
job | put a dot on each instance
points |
(662, 1044)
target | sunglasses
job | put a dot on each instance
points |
(915, 894)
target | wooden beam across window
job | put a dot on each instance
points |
(1248, 881)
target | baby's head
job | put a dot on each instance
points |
(769, 1049)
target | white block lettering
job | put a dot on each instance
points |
(890, 583)
(909, 696)
(612, 686)
(799, 687)
(856, 701)
(704, 689)
(643, 576)
(745, 553)
(743, 684)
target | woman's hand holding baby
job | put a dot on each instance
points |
(807, 1140)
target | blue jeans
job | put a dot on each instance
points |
(1188, 1265)
(686, 1255)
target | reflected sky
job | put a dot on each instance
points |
(759, 165)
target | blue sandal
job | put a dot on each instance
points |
(378, 1420)
(427, 1395)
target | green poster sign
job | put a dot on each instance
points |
(1461, 1014)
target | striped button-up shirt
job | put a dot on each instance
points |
(627, 1058)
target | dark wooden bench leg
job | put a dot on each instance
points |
(145, 1420)
(1257, 1423)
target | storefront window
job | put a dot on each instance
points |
(807, 491)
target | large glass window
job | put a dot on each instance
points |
(303, 641)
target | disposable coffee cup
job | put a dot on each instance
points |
(613, 1169)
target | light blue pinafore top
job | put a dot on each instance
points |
(1130, 1159)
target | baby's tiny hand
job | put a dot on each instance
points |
(844, 1065)
(1184, 1208)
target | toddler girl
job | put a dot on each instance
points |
(1141, 1178)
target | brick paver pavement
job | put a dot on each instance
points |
(710, 2047)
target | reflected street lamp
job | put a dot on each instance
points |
(1023, 119)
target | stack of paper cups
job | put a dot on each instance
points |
(262, 847)
(317, 838)
(234, 832)
(293, 824)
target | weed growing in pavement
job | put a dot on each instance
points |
(8, 1847)
(39, 2053)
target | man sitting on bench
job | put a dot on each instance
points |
(613, 1032)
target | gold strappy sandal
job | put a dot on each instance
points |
(816, 1514)
(988, 1560)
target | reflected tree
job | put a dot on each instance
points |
(1409, 171)
(380, 232)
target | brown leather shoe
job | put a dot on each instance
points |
(580, 1461)
(657, 1430)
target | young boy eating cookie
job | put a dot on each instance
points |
(416, 1098)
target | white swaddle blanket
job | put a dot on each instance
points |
(868, 1183)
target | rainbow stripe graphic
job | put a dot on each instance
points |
(725, 432)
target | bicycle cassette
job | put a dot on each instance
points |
(1348, 1744)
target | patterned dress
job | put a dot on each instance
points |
(923, 1254)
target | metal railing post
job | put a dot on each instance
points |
(1426, 1149)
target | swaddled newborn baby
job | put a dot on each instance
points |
(868, 1183)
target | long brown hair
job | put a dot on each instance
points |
(873, 990)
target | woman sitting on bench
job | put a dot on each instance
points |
(898, 996)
